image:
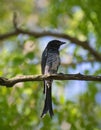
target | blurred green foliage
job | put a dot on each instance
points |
(21, 106)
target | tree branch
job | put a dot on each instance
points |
(38, 34)
(11, 82)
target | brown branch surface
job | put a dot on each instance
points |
(11, 82)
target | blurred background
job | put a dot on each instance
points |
(77, 104)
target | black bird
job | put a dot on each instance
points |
(49, 65)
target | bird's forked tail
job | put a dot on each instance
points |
(48, 101)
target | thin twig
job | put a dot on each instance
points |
(15, 20)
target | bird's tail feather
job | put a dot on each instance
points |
(48, 102)
(44, 88)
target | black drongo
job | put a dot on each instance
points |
(49, 65)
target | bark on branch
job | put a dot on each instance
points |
(11, 82)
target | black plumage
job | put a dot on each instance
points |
(49, 65)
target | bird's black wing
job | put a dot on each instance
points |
(43, 64)
(43, 61)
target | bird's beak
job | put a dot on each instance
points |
(63, 43)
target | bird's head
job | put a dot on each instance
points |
(55, 44)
